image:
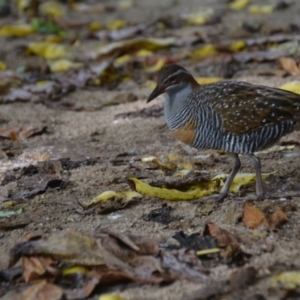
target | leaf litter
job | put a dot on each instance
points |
(129, 54)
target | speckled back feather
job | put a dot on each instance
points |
(244, 107)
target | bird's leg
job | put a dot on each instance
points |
(224, 191)
(260, 191)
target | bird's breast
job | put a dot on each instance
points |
(186, 134)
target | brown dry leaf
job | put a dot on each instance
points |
(16, 221)
(139, 266)
(224, 239)
(42, 290)
(35, 267)
(183, 264)
(253, 216)
(276, 218)
(139, 258)
(70, 247)
(289, 65)
(21, 132)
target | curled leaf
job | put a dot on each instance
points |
(241, 179)
(191, 192)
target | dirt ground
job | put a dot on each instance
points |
(114, 146)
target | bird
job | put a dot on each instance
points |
(232, 116)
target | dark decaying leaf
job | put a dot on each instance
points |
(161, 215)
(195, 241)
(38, 179)
(242, 278)
(225, 240)
(10, 273)
(109, 258)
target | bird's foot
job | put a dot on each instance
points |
(219, 198)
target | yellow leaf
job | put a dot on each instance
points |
(111, 297)
(52, 38)
(194, 192)
(198, 18)
(10, 204)
(62, 65)
(207, 80)
(48, 50)
(238, 4)
(276, 148)
(110, 195)
(206, 50)
(264, 9)
(23, 5)
(143, 53)
(95, 26)
(125, 4)
(74, 269)
(157, 67)
(287, 280)
(116, 24)
(149, 84)
(123, 59)
(293, 86)
(52, 9)
(208, 251)
(3, 66)
(241, 179)
(238, 46)
(16, 30)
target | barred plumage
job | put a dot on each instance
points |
(233, 116)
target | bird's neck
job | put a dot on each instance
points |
(175, 99)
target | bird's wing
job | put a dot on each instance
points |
(244, 107)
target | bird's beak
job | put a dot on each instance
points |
(156, 92)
